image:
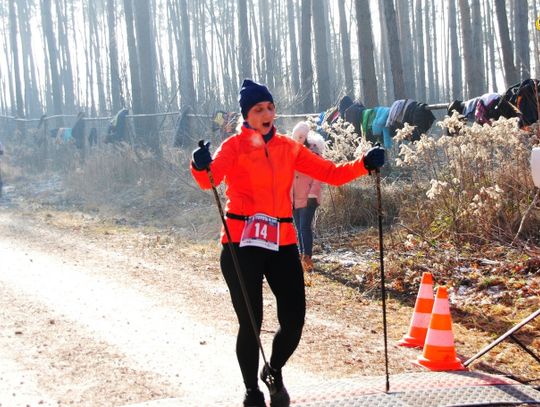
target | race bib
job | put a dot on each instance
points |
(261, 230)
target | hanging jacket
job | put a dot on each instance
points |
(77, 132)
(525, 96)
(396, 110)
(117, 128)
(470, 108)
(259, 177)
(455, 106)
(353, 115)
(422, 119)
(485, 104)
(368, 116)
(378, 128)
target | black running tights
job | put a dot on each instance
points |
(283, 271)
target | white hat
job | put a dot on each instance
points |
(300, 131)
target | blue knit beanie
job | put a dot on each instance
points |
(252, 93)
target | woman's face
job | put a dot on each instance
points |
(261, 117)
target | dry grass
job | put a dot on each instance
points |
(473, 187)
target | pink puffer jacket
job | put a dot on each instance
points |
(305, 187)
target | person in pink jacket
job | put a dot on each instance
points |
(306, 194)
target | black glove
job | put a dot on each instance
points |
(374, 158)
(312, 203)
(201, 157)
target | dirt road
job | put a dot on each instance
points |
(78, 330)
(98, 315)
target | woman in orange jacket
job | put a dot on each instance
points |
(257, 166)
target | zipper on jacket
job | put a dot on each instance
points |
(273, 177)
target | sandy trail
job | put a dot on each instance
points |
(77, 330)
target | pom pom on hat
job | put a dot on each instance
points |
(252, 93)
(300, 131)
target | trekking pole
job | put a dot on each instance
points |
(383, 287)
(235, 261)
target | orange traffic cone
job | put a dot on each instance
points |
(439, 349)
(416, 336)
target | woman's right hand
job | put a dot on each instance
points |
(201, 157)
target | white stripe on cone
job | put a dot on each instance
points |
(441, 307)
(421, 319)
(426, 291)
(436, 337)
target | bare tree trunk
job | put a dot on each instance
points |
(429, 44)
(521, 24)
(163, 90)
(510, 73)
(385, 56)
(536, 42)
(46, 21)
(394, 48)
(66, 76)
(176, 33)
(9, 82)
(187, 86)
(116, 89)
(455, 59)
(89, 55)
(15, 52)
(96, 61)
(295, 80)
(267, 44)
(228, 25)
(226, 78)
(321, 55)
(346, 48)
(147, 61)
(405, 39)
(136, 100)
(33, 106)
(259, 69)
(202, 59)
(420, 58)
(277, 55)
(245, 43)
(332, 60)
(491, 45)
(173, 57)
(305, 60)
(211, 57)
(474, 73)
(368, 79)
(77, 80)
(435, 96)
(478, 47)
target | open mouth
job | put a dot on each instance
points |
(267, 124)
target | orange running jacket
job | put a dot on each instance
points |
(259, 176)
